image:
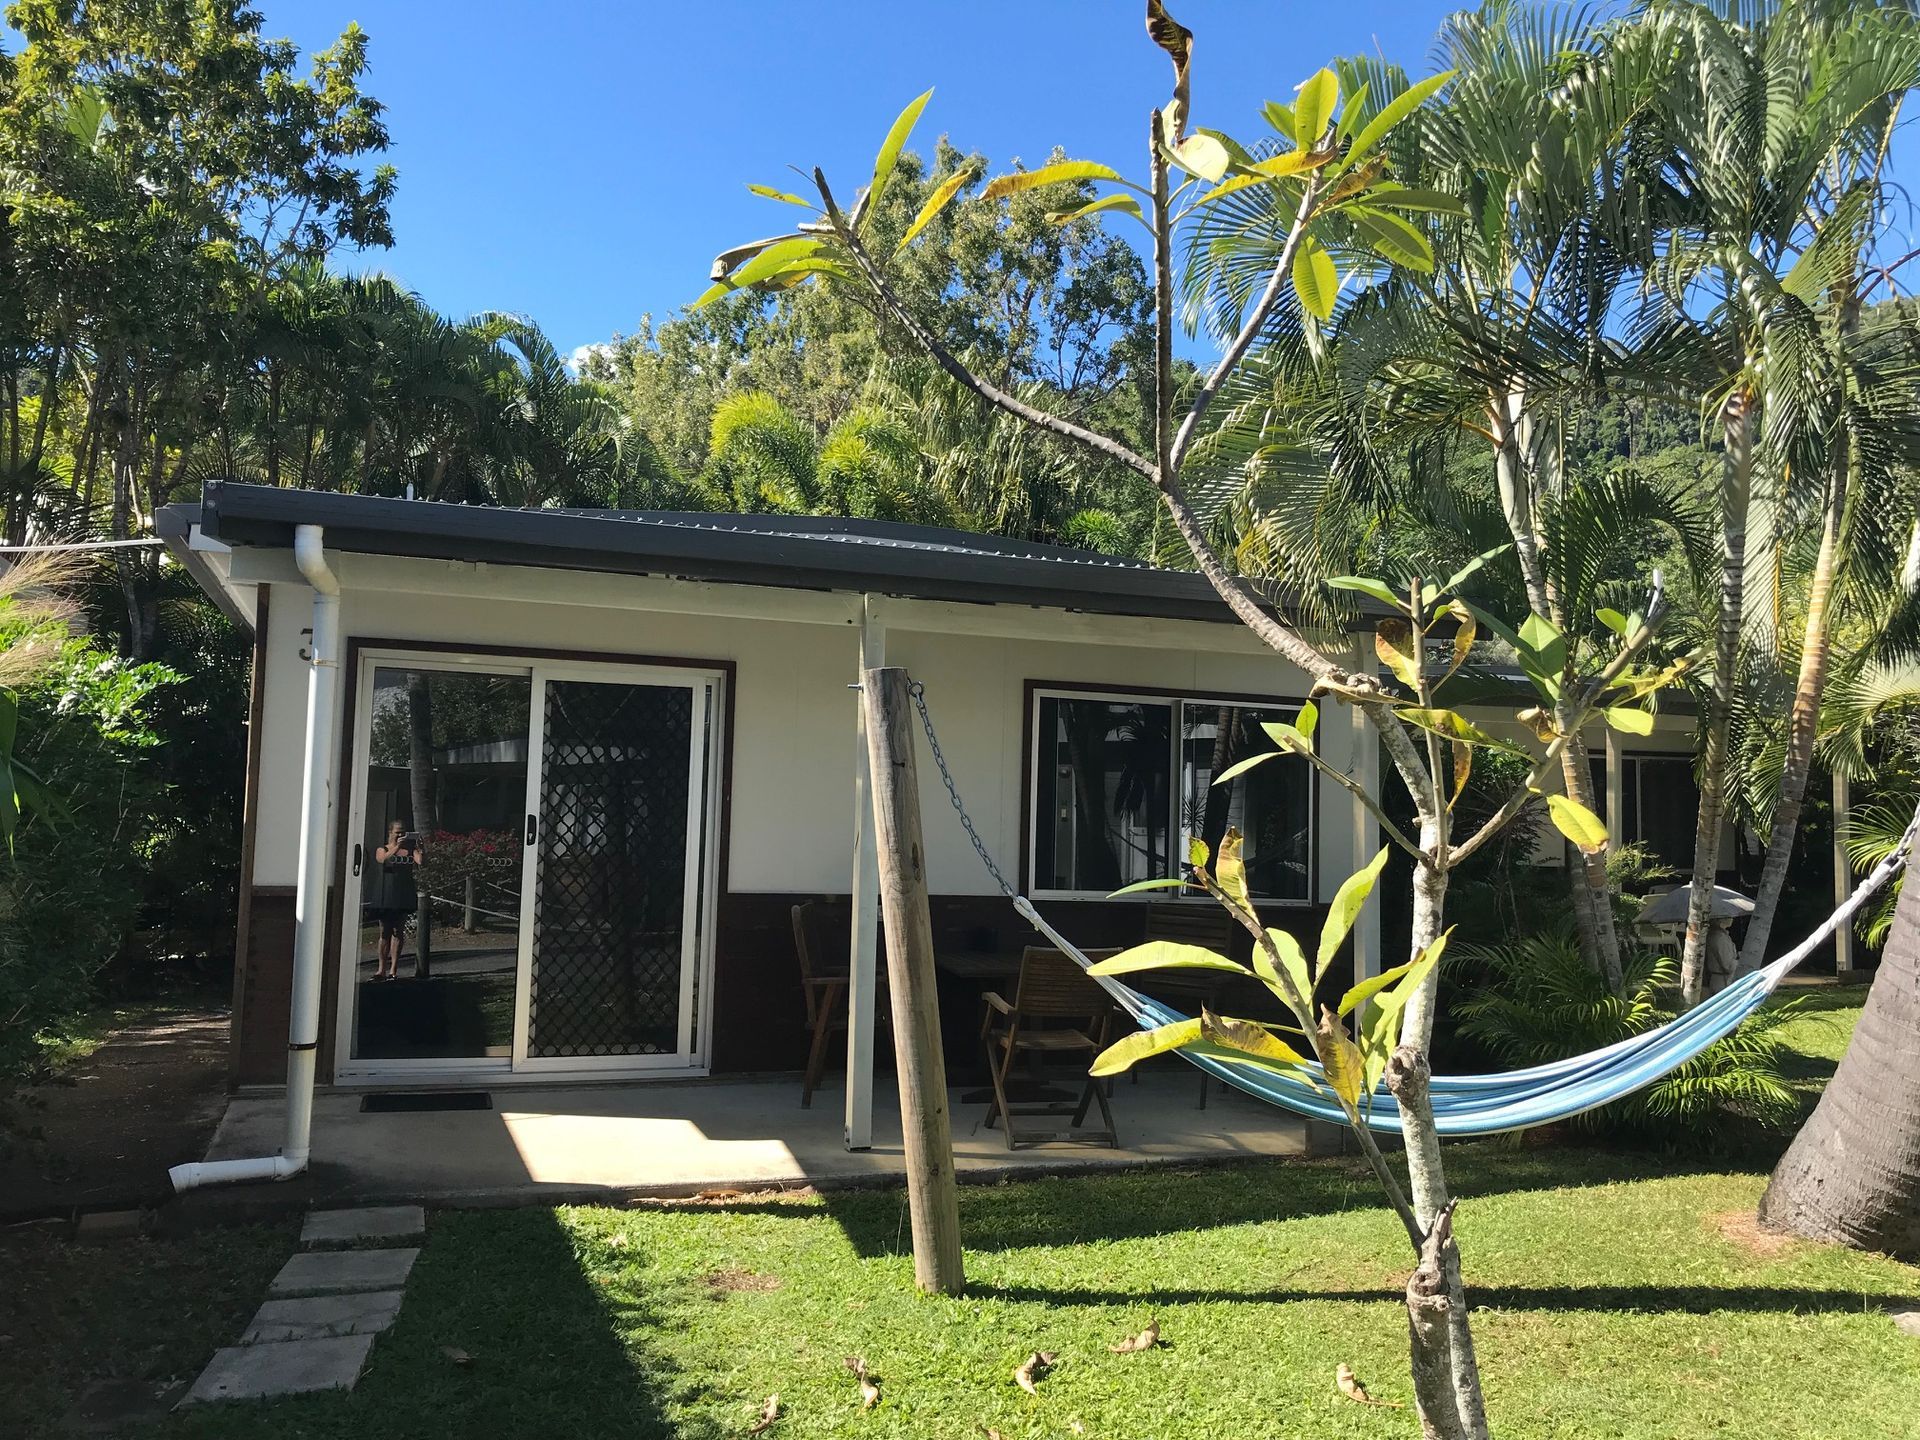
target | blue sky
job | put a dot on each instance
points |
(583, 167)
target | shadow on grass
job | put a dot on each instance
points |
(1604, 1299)
(502, 1332)
(1135, 1204)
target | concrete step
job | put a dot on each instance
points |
(339, 1272)
(294, 1367)
(322, 1317)
(368, 1222)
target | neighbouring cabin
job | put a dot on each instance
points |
(618, 748)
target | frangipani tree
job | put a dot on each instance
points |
(1322, 160)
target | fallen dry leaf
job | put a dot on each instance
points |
(1033, 1368)
(1351, 1387)
(1134, 1344)
(769, 1413)
(869, 1384)
(456, 1354)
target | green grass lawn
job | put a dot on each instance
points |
(1616, 1294)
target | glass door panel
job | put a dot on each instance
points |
(438, 864)
(615, 891)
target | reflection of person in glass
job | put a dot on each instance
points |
(395, 896)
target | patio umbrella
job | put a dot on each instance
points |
(1671, 908)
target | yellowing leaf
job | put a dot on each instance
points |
(1249, 1038)
(1165, 955)
(1143, 1044)
(1348, 901)
(1392, 113)
(1197, 852)
(772, 194)
(936, 202)
(1106, 204)
(1450, 725)
(1346, 1067)
(1315, 280)
(1462, 770)
(1579, 824)
(1200, 154)
(1308, 719)
(1047, 175)
(1393, 643)
(1468, 629)
(766, 262)
(1230, 871)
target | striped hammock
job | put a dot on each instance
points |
(1515, 1099)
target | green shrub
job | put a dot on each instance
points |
(1535, 1000)
(70, 881)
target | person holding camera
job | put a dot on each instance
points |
(395, 896)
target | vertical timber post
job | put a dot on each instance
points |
(932, 1198)
(1616, 794)
(864, 933)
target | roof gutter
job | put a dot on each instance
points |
(310, 903)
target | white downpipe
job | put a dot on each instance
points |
(310, 903)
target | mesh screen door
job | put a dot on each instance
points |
(616, 879)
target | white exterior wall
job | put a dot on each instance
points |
(792, 711)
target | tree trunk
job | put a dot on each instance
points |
(1803, 727)
(1736, 485)
(1459, 1409)
(1852, 1174)
(1587, 884)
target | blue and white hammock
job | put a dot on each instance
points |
(1515, 1099)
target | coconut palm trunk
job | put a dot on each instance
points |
(1803, 727)
(1736, 487)
(1852, 1174)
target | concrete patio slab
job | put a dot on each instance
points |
(365, 1222)
(322, 1317)
(338, 1272)
(297, 1367)
(548, 1145)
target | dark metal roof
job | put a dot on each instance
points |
(792, 552)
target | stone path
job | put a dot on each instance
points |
(323, 1310)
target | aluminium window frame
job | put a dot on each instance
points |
(1177, 700)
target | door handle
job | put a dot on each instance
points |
(356, 860)
(533, 829)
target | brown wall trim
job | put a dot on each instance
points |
(249, 831)
(1074, 687)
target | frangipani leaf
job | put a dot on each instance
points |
(1315, 280)
(1348, 902)
(1139, 885)
(1391, 114)
(941, 197)
(889, 155)
(1393, 643)
(772, 194)
(1366, 585)
(1629, 720)
(1164, 955)
(1131, 1049)
(1240, 767)
(1249, 1038)
(1053, 174)
(1579, 824)
(1122, 204)
(1314, 110)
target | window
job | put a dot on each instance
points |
(1659, 803)
(1121, 783)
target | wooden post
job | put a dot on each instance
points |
(932, 1197)
(864, 934)
(1364, 767)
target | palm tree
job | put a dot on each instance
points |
(1762, 114)
(1852, 1174)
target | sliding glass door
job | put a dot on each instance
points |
(528, 871)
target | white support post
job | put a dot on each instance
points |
(1364, 769)
(1842, 875)
(1616, 791)
(863, 953)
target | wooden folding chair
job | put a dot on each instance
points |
(825, 987)
(1056, 1011)
(1208, 926)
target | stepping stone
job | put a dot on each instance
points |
(296, 1367)
(372, 1222)
(337, 1272)
(321, 1317)
(1907, 1322)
